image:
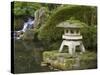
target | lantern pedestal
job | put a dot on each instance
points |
(72, 46)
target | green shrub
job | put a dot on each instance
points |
(18, 23)
(55, 45)
(49, 31)
(90, 37)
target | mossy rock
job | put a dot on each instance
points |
(55, 54)
(59, 60)
(65, 61)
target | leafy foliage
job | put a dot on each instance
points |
(18, 23)
(25, 8)
(50, 31)
(47, 31)
(46, 36)
(90, 37)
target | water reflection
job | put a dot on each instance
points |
(28, 57)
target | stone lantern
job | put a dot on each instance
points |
(71, 37)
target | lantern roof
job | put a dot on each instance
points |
(71, 24)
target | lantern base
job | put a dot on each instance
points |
(72, 46)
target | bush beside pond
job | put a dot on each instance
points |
(50, 33)
(90, 38)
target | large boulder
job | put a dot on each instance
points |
(65, 61)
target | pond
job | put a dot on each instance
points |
(28, 57)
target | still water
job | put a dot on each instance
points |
(28, 57)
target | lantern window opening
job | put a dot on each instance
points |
(72, 31)
(66, 31)
(77, 31)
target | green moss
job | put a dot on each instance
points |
(90, 42)
(65, 61)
